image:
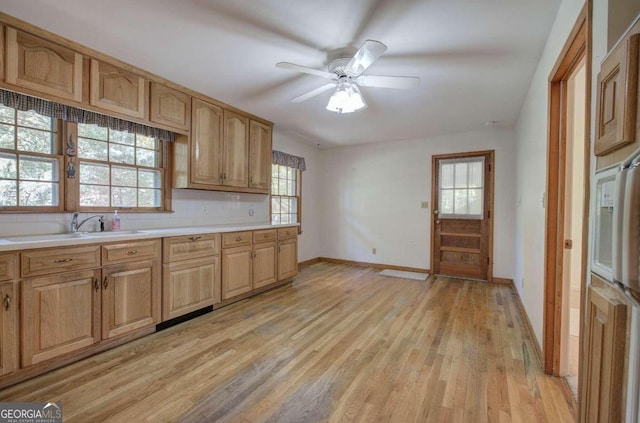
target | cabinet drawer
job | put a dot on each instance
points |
(7, 267)
(54, 260)
(130, 251)
(287, 233)
(236, 239)
(190, 247)
(267, 235)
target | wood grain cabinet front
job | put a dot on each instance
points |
(117, 90)
(236, 150)
(190, 285)
(190, 247)
(617, 97)
(42, 66)
(169, 107)
(287, 258)
(237, 271)
(9, 358)
(8, 267)
(260, 140)
(265, 264)
(127, 252)
(55, 260)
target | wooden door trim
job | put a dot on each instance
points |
(577, 47)
(490, 154)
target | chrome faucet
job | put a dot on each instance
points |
(75, 225)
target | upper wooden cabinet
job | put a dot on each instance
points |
(205, 155)
(117, 90)
(236, 150)
(260, 138)
(170, 107)
(618, 97)
(43, 66)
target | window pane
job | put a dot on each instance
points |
(90, 149)
(147, 158)
(122, 137)
(293, 203)
(34, 140)
(475, 201)
(274, 171)
(149, 179)
(460, 175)
(123, 197)
(460, 201)
(38, 194)
(94, 195)
(7, 136)
(294, 218)
(7, 114)
(119, 153)
(97, 174)
(149, 197)
(146, 142)
(284, 205)
(38, 168)
(291, 188)
(475, 175)
(291, 173)
(283, 172)
(275, 218)
(33, 120)
(446, 201)
(275, 204)
(92, 131)
(123, 176)
(274, 186)
(8, 166)
(8, 193)
(446, 175)
(282, 187)
(285, 218)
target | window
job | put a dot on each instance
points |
(29, 162)
(285, 194)
(461, 190)
(119, 169)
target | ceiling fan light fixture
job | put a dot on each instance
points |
(347, 98)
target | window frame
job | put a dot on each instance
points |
(466, 187)
(56, 146)
(298, 197)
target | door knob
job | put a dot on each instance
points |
(436, 212)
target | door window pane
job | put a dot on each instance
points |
(461, 190)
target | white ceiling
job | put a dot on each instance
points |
(475, 57)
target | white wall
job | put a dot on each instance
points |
(372, 196)
(308, 242)
(531, 165)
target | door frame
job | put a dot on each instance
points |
(576, 48)
(488, 183)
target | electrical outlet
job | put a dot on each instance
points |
(373, 251)
(250, 212)
(424, 205)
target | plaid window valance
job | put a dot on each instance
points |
(73, 114)
(285, 159)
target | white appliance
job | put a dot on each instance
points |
(616, 234)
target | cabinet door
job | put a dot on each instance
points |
(617, 97)
(190, 285)
(264, 264)
(236, 150)
(287, 259)
(602, 386)
(259, 155)
(43, 66)
(117, 90)
(9, 327)
(59, 314)
(170, 107)
(206, 144)
(130, 297)
(236, 271)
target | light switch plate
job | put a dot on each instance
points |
(424, 205)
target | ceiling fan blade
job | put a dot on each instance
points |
(399, 82)
(304, 69)
(313, 93)
(364, 57)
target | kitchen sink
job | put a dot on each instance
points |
(76, 235)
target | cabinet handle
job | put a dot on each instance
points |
(195, 238)
(250, 179)
(266, 236)
(225, 176)
(221, 176)
(132, 252)
(7, 301)
(67, 260)
(238, 239)
(96, 284)
(105, 282)
(278, 248)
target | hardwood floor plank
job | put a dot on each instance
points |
(338, 344)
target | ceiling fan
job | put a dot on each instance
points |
(347, 76)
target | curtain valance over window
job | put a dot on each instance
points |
(73, 114)
(289, 160)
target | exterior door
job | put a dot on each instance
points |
(461, 222)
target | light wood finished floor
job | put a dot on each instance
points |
(339, 344)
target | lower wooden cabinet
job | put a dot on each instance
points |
(9, 327)
(287, 258)
(236, 271)
(190, 285)
(59, 314)
(265, 264)
(130, 297)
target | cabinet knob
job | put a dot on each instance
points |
(105, 282)
(7, 301)
(96, 284)
(195, 238)
(67, 260)
(132, 252)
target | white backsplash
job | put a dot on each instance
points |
(191, 208)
